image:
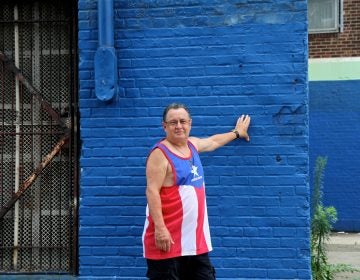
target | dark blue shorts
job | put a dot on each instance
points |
(181, 268)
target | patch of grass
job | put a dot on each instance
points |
(341, 267)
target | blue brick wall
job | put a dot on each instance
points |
(221, 58)
(334, 132)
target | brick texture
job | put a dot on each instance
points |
(221, 58)
(341, 44)
(335, 110)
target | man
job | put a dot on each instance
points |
(176, 237)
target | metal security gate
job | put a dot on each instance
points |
(38, 139)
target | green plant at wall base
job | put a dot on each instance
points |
(321, 229)
(321, 224)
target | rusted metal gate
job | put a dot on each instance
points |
(38, 139)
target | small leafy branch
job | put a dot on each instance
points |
(321, 225)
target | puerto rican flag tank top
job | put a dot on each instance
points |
(183, 207)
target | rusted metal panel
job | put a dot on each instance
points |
(9, 64)
(38, 137)
(31, 179)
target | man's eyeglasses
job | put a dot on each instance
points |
(174, 123)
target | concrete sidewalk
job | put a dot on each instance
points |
(344, 248)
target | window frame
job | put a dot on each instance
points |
(337, 12)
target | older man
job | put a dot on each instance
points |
(176, 238)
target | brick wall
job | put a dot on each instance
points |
(222, 59)
(334, 132)
(341, 44)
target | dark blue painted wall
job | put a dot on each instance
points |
(221, 58)
(334, 133)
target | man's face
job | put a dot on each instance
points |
(177, 124)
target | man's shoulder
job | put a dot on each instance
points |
(194, 141)
(156, 151)
(156, 156)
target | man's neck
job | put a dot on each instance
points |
(179, 143)
(181, 148)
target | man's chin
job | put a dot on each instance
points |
(180, 136)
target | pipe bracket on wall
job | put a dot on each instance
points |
(105, 56)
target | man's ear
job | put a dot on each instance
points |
(164, 125)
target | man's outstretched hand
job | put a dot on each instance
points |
(242, 126)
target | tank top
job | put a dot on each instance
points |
(184, 209)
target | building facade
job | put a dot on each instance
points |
(222, 59)
(334, 82)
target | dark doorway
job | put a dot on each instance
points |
(38, 136)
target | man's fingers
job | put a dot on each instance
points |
(243, 120)
(246, 120)
(164, 245)
(167, 246)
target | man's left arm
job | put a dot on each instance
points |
(218, 140)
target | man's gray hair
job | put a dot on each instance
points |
(175, 106)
